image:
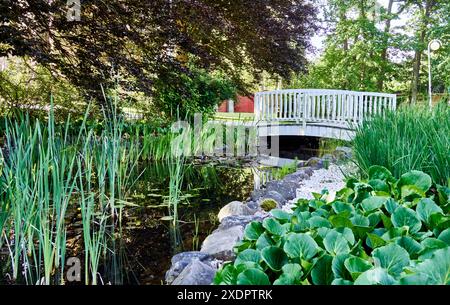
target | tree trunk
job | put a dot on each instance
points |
(384, 52)
(418, 52)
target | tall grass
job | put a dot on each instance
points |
(49, 171)
(410, 138)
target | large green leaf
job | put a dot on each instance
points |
(340, 207)
(274, 257)
(335, 243)
(280, 215)
(300, 220)
(248, 255)
(409, 244)
(341, 220)
(317, 222)
(374, 241)
(341, 282)
(362, 191)
(338, 266)
(375, 276)
(391, 205)
(392, 257)
(253, 230)
(356, 265)
(322, 272)
(379, 186)
(291, 275)
(435, 270)
(445, 236)
(253, 277)
(263, 241)
(425, 208)
(360, 220)
(431, 245)
(380, 172)
(226, 276)
(414, 182)
(274, 227)
(300, 245)
(373, 203)
(405, 217)
(348, 234)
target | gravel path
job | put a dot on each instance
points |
(331, 179)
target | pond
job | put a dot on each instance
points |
(148, 239)
(205, 190)
(139, 250)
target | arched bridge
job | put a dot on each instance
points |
(317, 112)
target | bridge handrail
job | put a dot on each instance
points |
(321, 105)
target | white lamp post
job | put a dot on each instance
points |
(434, 45)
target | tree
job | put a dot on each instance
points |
(355, 56)
(155, 40)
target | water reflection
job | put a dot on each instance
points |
(205, 190)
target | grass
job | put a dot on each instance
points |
(412, 138)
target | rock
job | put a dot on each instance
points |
(181, 260)
(252, 205)
(256, 194)
(296, 177)
(315, 162)
(237, 220)
(196, 273)
(328, 157)
(301, 164)
(220, 243)
(284, 187)
(308, 171)
(342, 152)
(234, 208)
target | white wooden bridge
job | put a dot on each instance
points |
(317, 112)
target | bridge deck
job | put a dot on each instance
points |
(315, 112)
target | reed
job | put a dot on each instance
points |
(49, 171)
(412, 138)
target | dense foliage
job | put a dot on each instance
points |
(185, 95)
(379, 231)
(408, 139)
(149, 40)
(367, 48)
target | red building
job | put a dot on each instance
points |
(244, 104)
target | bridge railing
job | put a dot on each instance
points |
(321, 105)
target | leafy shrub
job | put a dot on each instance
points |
(413, 138)
(182, 95)
(380, 231)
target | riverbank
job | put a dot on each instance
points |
(199, 267)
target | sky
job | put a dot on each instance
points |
(318, 39)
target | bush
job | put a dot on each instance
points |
(380, 231)
(413, 138)
(182, 95)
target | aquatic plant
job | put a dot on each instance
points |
(412, 138)
(50, 171)
(377, 231)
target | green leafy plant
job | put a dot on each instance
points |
(381, 230)
(412, 138)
